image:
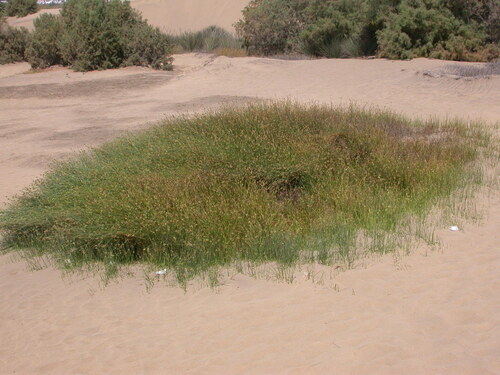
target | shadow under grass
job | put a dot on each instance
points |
(274, 183)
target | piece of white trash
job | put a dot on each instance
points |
(454, 228)
(162, 272)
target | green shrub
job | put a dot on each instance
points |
(98, 34)
(45, 49)
(270, 182)
(418, 30)
(486, 14)
(147, 46)
(271, 26)
(399, 29)
(13, 43)
(333, 29)
(20, 8)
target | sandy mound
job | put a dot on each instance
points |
(422, 314)
(172, 16)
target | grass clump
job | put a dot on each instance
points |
(265, 183)
(210, 39)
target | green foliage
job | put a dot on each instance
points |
(335, 31)
(44, 49)
(98, 34)
(145, 45)
(419, 30)
(20, 8)
(277, 182)
(400, 29)
(13, 43)
(271, 26)
(485, 13)
(206, 40)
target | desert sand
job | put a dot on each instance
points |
(174, 16)
(428, 313)
(432, 312)
(171, 16)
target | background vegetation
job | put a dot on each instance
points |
(97, 34)
(398, 29)
(211, 39)
(20, 8)
(13, 43)
(267, 183)
(206, 40)
(88, 35)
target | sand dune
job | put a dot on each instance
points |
(28, 20)
(428, 313)
(174, 16)
(171, 16)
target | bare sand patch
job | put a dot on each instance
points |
(174, 16)
(171, 16)
(421, 314)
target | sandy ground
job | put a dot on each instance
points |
(171, 16)
(427, 313)
(174, 16)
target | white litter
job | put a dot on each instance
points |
(454, 228)
(162, 272)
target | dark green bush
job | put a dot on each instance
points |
(271, 26)
(20, 8)
(484, 12)
(147, 46)
(44, 49)
(416, 29)
(334, 29)
(13, 43)
(448, 29)
(98, 34)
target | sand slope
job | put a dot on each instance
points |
(435, 314)
(174, 16)
(27, 21)
(171, 16)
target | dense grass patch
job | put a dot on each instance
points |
(211, 39)
(265, 183)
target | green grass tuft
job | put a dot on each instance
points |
(209, 39)
(276, 182)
